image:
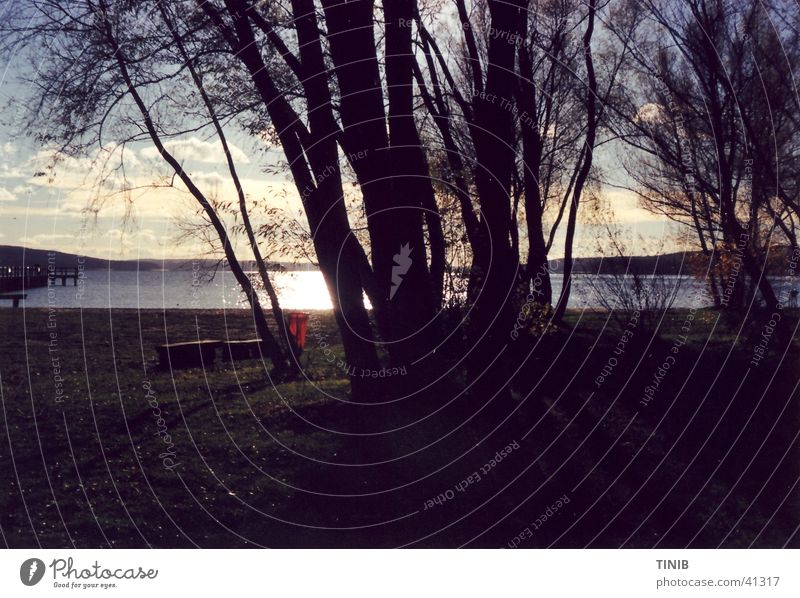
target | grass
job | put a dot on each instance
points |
(711, 461)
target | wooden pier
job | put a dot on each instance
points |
(17, 278)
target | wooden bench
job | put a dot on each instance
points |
(190, 354)
(15, 298)
(246, 349)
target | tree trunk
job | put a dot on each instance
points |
(494, 275)
(337, 249)
(537, 271)
(390, 167)
(586, 166)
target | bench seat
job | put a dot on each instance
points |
(246, 349)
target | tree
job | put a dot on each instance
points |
(334, 87)
(549, 105)
(312, 155)
(709, 91)
(585, 162)
(82, 86)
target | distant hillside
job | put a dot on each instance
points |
(687, 262)
(666, 264)
(14, 256)
(21, 256)
(247, 265)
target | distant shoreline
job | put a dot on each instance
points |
(668, 264)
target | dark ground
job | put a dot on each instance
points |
(711, 461)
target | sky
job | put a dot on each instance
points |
(54, 208)
(48, 208)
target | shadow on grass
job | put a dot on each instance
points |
(584, 455)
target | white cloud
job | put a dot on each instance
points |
(78, 205)
(25, 212)
(628, 209)
(10, 173)
(194, 148)
(44, 238)
(6, 196)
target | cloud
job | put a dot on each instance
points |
(628, 209)
(44, 238)
(196, 149)
(14, 172)
(5, 195)
(77, 204)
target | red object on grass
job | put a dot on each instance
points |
(298, 326)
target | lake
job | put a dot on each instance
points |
(297, 290)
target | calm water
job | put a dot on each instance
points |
(297, 290)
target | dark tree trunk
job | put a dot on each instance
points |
(713, 279)
(494, 275)
(537, 272)
(411, 173)
(585, 167)
(338, 252)
(390, 167)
